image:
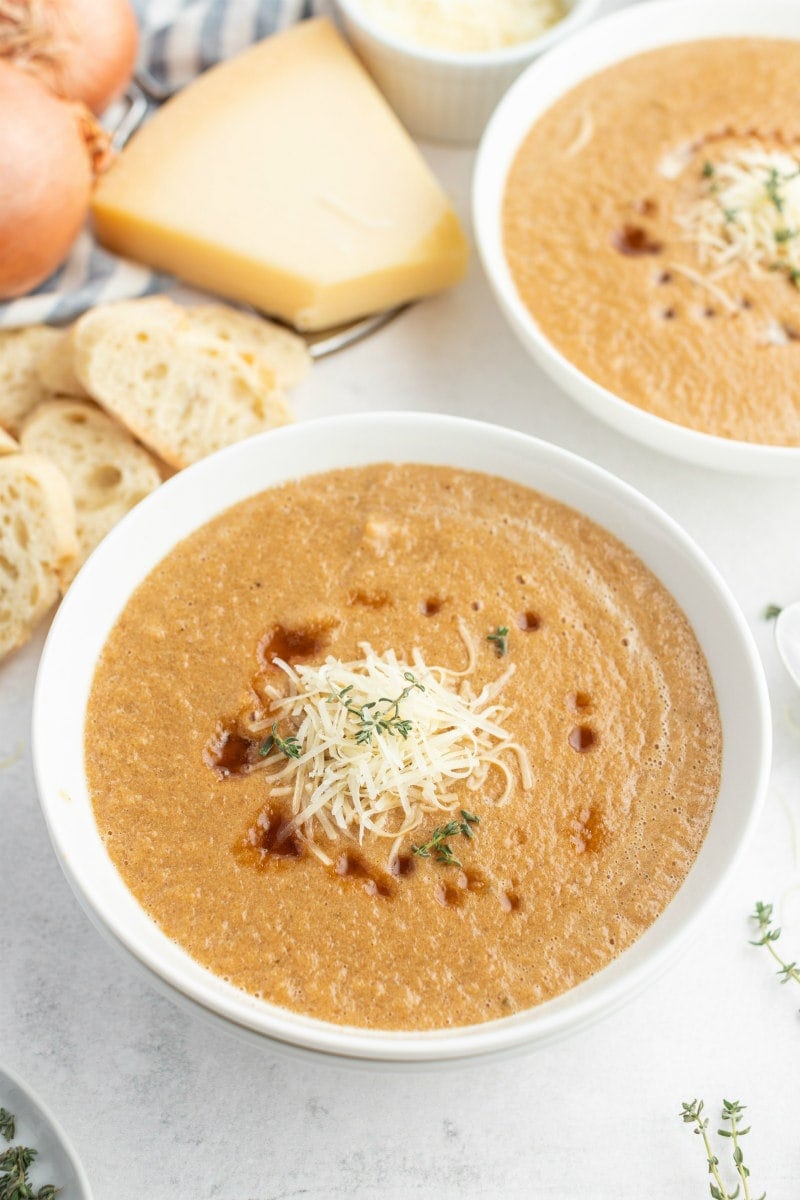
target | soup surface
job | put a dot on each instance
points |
(652, 226)
(610, 702)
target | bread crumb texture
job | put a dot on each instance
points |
(37, 543)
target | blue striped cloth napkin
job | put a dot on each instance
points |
(179, 38)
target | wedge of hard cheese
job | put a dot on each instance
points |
(281, 178)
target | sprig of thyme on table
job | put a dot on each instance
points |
(768, 938)
(15, 1164)
(692, 1114)
(439, 846)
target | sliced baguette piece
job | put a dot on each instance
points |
(108, 472)
(285, 353)
(184, 394)
(56, 370)
(7, 443)
(37, 543)
(20, 386)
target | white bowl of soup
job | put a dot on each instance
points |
(635, 206)
(564, 755)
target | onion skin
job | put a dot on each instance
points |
(83, 49)
(46, 179)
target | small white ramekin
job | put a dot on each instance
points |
(446, 95)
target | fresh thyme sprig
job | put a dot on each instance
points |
(500, 639)
(692, 1114)
(15, 1163)
(772, 187)
(439, 846)
(777, 200)
(768, 938)
(288, 746)
(771, 611)
(372, 719)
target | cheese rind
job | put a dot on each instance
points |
(282, 179)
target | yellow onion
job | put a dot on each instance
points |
(83, 49)
(49, 154)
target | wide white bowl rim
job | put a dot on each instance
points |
(193, 497)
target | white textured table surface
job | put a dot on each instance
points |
(160, 1106)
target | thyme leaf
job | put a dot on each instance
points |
(500, 639)
(769, 936)
(772, 188)
(692, 1114)
(438, 846)
(772, 611)
(288, 746)
(15, 1164)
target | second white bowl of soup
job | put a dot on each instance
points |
(364, 737)
(637, 210)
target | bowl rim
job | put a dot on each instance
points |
(580, 11)
(513, 454)
(656, 23)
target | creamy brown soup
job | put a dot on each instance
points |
(652, 226)
(610, 701)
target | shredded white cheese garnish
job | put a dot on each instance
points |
(749, 212)
(386, 784)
